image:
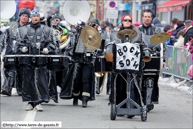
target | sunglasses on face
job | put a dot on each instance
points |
(56, 20)
(125, 20)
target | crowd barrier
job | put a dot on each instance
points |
(178, 63)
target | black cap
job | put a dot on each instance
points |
(56, 16)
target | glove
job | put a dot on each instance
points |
(3, 28)
(45, 51)
(24, 49)
(189, 54)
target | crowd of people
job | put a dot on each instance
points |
(36, 84)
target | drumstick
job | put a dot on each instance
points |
(103, 82)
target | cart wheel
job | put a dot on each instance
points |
(113, 112)
(144, 113)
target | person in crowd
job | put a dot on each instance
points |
(180, 40)
(9, 38)
(166, 28)
(189, 31)
(156, 22)
(174, 26)
(181, 61)
(137, 24)
(163, 23)
(35, 80)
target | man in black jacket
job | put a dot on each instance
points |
(150, 83)
(35, 39)
(189, 31)
(8, 39)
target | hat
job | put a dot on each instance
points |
(56, 16)
(188, 21)
(35, 12)
(94, 21)
(167, 27)
(24, 11)
(137, 24)
(123, 17)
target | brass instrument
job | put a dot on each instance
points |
(64, 38)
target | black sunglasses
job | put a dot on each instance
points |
(127, 20)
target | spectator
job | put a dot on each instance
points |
(173, 26)
(180, 26)
(137, 24)
(109, 29)
(189, 31)
(163, 23)
(180, 41)
(156, 22)
(167, 29)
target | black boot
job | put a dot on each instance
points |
(84, 101)
(75, 101)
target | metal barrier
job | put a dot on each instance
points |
(178, 63)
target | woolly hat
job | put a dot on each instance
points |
(167, 27)
(35, 12)
(95, 21)
(137, 24)
(123, 17)
(24, 11)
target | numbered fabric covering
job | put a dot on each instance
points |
(127, 57)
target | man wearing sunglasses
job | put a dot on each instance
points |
(151, 94)
(8, 38)
(35, 39)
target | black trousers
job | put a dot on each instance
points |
(35, 84)
(9, 80)
(150, 90)
(84, 76)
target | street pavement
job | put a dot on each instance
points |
(173, 111)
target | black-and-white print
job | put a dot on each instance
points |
(127, 56)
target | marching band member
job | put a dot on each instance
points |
(35, 81)
(10, 36)
(121, 84)
(95, 23)
(62, 40)
(79, 80)
(150, 94)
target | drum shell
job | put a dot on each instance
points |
(156, 64)
(11, 63)
(57, 63)
(103, 66)
(40, 61)
(109, 52)
(25, 62)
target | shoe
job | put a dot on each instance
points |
(84, 101)
(75, 101)
(6, 92)
(29, 107)
(150, 107)
(130, 116)
(39, 107)
(120, 115)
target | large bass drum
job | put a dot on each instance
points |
(156, 57)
